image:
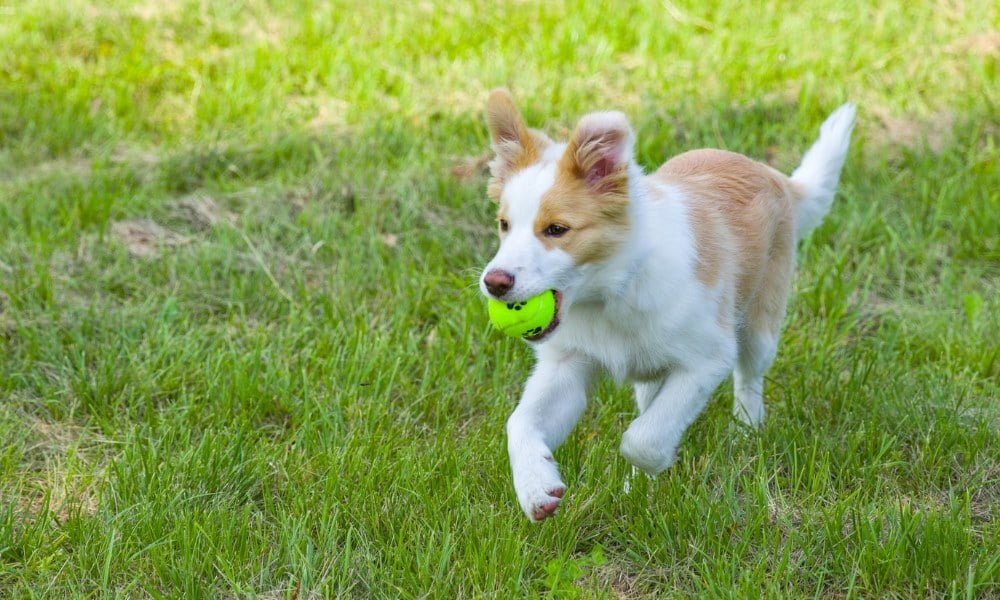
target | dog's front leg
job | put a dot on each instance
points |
(554, 398)
(650, 443)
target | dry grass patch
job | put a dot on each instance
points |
(144, 238)
(909, 132)
(62, 469)
(985, 44)
(203, 212)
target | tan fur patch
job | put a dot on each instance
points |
(590, 192)
(598, 221)
(742, 217)
(712, 242)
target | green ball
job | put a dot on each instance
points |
(526, 318)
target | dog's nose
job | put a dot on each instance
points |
(498, 282)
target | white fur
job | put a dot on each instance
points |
(819, 172)
(641, 316)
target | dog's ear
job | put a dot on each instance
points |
(600, 152)
(515, 145)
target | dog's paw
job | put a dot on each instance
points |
(542, 506)
(749, 418)
(651, 455)
(539, 488)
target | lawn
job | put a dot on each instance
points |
(244, 355)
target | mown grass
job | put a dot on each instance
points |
(293, 391)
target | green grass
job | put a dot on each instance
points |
(298, 395)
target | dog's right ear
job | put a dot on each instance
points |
(516, 146)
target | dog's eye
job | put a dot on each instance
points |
(504, 225)
(555, 230)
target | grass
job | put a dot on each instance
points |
(243, 354)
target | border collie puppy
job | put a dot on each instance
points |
(670, 280)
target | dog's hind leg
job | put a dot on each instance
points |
(757, 341)
(756, 353)
(651, 441)
(645, 392)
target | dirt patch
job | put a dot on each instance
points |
(328, 112)
(61, 468)
(621, 581)
(985, 501)
(907, 132)
(56, 437)
(144, 238)
(73, 167)
(982, 44)
(203, 212)
(60, 495)
(155, 11)
(142, 162)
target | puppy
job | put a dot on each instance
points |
(669, 281)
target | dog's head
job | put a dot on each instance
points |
(560, 206)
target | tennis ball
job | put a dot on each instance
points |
(526, 318)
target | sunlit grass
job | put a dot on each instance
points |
(293, 391)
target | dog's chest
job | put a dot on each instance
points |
(628, 347)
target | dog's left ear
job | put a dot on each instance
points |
(600, 152)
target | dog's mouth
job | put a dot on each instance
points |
(555, 320)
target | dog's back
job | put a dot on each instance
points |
(742, 217)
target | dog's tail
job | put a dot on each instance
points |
(820, 169)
